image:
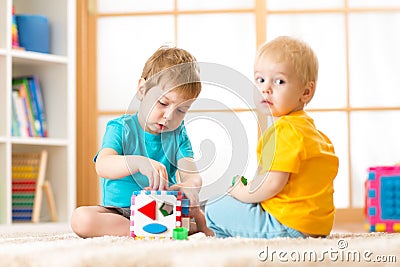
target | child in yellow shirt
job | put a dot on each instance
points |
(292, 193)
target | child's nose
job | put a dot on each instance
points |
(266, 89)
(168, 114)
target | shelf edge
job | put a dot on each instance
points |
(21, 56)
(39, 141)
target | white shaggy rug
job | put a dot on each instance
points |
(45, 246)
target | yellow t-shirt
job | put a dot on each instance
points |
(293, 144)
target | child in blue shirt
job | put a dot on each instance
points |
(145, 150)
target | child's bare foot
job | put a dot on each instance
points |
(194, 228)
(207, 231)
(200, 225)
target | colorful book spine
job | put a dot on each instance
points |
(39, 103)
(34, 107)
(20, 114)
(14, 30)
(27, 108)
(14, 120)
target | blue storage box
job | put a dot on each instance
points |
(34, 33)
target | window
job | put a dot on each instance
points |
(357, 102)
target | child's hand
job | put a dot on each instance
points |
(155, 171)
(267, 185)
(190, 191)
(238, 185)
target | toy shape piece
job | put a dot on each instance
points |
(167, 209)
(242, 179)
(155, 228)
(149, 210)
(180, 233)
(185, 206)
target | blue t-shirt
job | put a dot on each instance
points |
(127, 137)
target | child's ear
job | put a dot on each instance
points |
(141, 89)
(308, 92)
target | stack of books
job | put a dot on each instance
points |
(28, 110)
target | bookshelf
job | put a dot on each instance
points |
(56, 72)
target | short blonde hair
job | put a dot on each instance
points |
(173, 67)
(295, 52)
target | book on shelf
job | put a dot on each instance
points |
(21, 122)
(14, 120)
(29, 114)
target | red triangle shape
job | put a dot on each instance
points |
(149, 210)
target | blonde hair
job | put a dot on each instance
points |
(295, 52)
(173, 67)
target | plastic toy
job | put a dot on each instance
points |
(28, 183)
(156, 214)
(180, 233)
(382, 205)
(242, 179)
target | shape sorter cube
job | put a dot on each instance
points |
(155, 214)
(383, 199)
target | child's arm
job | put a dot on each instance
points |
(270, 184)
(110, 165)
(190, 180)
(190, 184)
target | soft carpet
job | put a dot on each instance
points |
(45, 246)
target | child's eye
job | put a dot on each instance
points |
(260, 80)
(162, 103)
(279, 82)
(181, 111)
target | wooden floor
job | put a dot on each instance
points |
(349, 228)
(350, 221)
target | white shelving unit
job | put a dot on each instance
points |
(56, 72)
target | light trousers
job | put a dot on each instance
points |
(229, 217)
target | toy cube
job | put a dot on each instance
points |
(383, 199)
(155, 214)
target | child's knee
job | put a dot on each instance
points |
(82, 221)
